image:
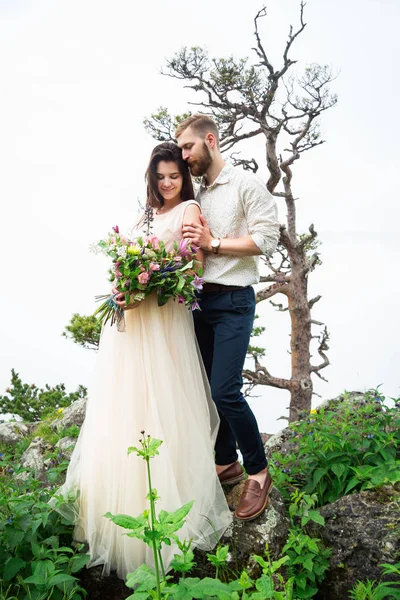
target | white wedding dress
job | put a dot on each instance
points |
(147, 378)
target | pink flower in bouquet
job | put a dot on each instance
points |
(153, 240)
(116, 229)
(154, 267)
(183, 249)
(181, 300)
(178, 259)
(117, 273)
(143, 278)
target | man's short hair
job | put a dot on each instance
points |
(201, 124)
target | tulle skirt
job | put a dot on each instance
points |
(148, 378)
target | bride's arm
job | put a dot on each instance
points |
(192, 215)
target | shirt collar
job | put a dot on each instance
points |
(223, 177)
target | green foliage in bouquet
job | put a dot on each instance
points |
(143, 266)
(32, 403)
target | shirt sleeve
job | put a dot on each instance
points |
(261, 214)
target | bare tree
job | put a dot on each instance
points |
(259, 100)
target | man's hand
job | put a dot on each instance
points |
(200, 235)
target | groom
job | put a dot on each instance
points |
(239, 223)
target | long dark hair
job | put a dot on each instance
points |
(169, 152)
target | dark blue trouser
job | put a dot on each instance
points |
(223, 327)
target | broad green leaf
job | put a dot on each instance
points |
(244, 582)
(316, 516)
(127, 522)
(176, 516)
(14, 536)
(143, 577)
(78, 562)
(154, 446)
(339, 469)
(301, 582)
(188, 266)
(12, 567)
(317, 476)
(181, 283)
(277, 564)
(43, 568)
(313, 546)
(352, 484)
(59, 578)
(35, 579)
(183, 562)
(308, 564)
(265, 585)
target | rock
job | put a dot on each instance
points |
(74, 414)
(363, 531)
(283, 442)
(245, 538)
(34, 458)
(66, 446)
(265, 437)
(342, 401)
(13, 432)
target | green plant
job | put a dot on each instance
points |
(308, 557)
(219, 558)
(372, 590)
(272, 584)
(147, 527)
(158, 530)
(36, 562)
(336, 452)
(32, 403)
(84, 331)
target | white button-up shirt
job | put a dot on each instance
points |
(237, 204)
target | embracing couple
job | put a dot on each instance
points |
(152, 378)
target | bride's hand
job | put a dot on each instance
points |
(119, 297)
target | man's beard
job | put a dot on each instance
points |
(200, 165)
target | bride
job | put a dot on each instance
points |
(150, 378)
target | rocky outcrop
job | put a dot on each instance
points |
(34, 458)
(251, 537)
(66, 446)
(74, 414)
(14, 431)
(246, 538)
(363, 531)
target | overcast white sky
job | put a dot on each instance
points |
(76, 80)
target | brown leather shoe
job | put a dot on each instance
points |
(254, 499)
(231, 474)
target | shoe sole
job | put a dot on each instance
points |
(234, 480)
(261, 509)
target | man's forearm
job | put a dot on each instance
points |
(242, 246)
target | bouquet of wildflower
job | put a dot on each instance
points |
(142, 266)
